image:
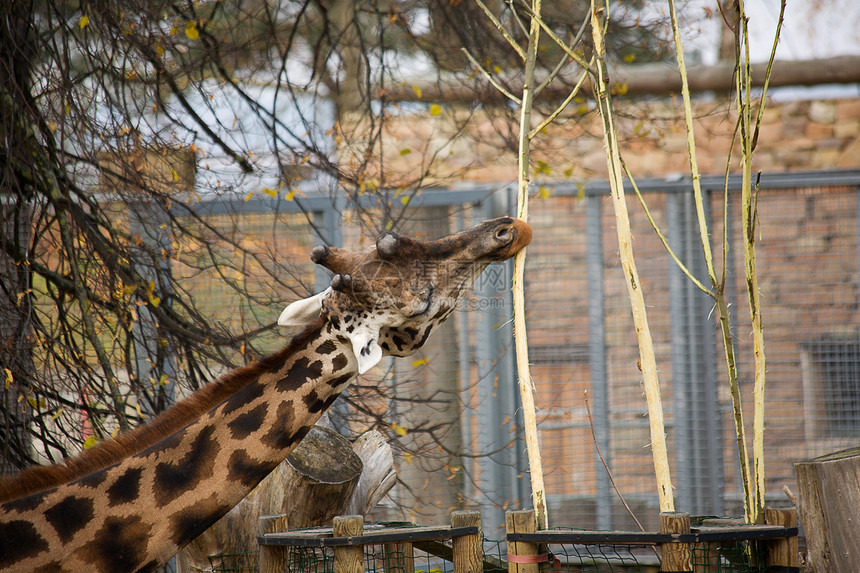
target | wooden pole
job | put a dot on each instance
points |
(828, 494)
(647, 357)
(273, 558)
(350, 558)
(675, 557)
(517, 289)
(522, 555)
(782, 553)
(399, 556)
(468, 552)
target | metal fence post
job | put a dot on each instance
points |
(597, 357)
(697, 432)
(150, 222)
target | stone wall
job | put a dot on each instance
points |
(460, 145)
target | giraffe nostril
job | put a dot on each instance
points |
(504, 233)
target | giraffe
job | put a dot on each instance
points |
(131, 503)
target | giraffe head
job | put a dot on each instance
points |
(388, 298)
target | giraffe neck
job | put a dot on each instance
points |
(135, 514)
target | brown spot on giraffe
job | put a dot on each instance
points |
(131, 503)
(246, 424)
(69, 516)
(120, 544)
(126, 487)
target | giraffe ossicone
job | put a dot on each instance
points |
(131, 503)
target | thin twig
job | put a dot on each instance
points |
(551, 117)
(582, 28)
(609, 471)
(502, 30)
(490, 78)
(662, 237)
(573, 55)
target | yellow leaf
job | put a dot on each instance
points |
(90, 442)
(405, 152)
(405, 199)
(407, 457)
(421, 362)
(290, 195)
(52, 126)
(544, 192)
(249, 196)
(84, 21)
(270, 192)
(620, 88)
(398, 429)
(57, 414)
(9, 377)
(191, 31)
(417, 90)
(435, 109)
(542, 168)
(629, 58)
(163, 380)
(580, 191)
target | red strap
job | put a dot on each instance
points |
(534, 559)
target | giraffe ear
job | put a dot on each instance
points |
(303, 312)
(365, 346)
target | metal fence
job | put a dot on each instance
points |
(584, 354)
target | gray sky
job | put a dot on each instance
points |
(813, 29)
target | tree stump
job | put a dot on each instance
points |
(829, 509)
(378, 476)
(313, 485)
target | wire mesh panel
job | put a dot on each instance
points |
(452, 413)
(807, 255)
(582, 342)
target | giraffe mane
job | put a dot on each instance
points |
(108, 452)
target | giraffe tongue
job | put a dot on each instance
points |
(365, 346)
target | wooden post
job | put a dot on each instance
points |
(399, 556)
(468, 550)
(828, 493)
(676, 557)
(522, 555)
(350, 558)
(273, 558)
(782, 553)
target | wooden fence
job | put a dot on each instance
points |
(461, 543)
